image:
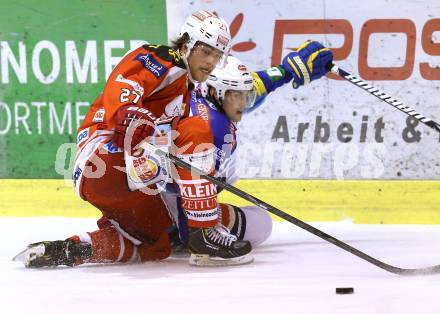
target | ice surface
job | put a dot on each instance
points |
(293, 272)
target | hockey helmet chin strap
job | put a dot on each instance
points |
(185, 60)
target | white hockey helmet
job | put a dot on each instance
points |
(233, 76)
(208, 28)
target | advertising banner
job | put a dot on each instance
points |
(54, 60)
(332, 129)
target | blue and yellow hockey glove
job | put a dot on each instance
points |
(307, 63)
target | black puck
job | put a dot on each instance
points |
(344, 290)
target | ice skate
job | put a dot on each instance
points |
(217, 247)
(54, 253)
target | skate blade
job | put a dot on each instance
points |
(205, 260)
(29, 254)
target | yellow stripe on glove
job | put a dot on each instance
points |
(313, 57)
(302, 68)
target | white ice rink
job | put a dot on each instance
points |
(294, 272)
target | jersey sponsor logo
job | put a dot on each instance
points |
(202, 111)
(99, 116)
(176, 107)
(143, 111)
(220, 154)
(151, 64)
(198, 196)
(205, 215)
(202, 204)
(144, 169)
(205, 189)
(76, 175)
(82, 136)
(133, 84)
(112, 148)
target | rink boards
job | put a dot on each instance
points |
(370, 202)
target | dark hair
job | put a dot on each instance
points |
(179, 42)
(216, 102)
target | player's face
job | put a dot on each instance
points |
(202, 61)
(234, 104)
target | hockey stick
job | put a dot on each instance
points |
(383, 96)
(396, 270)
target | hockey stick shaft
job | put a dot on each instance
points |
(384, 97)
(396, 270)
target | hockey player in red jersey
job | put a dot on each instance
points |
(138, 225)
(151, 83)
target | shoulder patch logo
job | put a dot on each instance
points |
(151, 64)
(99, 116)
